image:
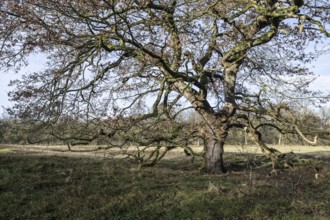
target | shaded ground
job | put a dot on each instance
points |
(38, 186)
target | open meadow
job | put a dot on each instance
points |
(154, 78)
(38, 182)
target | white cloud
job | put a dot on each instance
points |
(322, 83)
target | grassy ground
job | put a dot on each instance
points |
(56, 187)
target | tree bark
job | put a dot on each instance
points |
(213, 160)
(216, 135)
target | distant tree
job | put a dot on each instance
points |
(314, 123)
(3, 127)
(231, 61)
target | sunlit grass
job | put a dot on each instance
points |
(5, 150)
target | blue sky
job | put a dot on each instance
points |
(321, 68)
(35, 63)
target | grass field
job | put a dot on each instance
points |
(36, 184)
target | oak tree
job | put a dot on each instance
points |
(141, 63)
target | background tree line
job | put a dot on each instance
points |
(75, 132)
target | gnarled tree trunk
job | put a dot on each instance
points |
(213, 159)
(214, 145)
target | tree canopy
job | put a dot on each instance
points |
(134, 67)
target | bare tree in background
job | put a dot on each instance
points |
(147, 61)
